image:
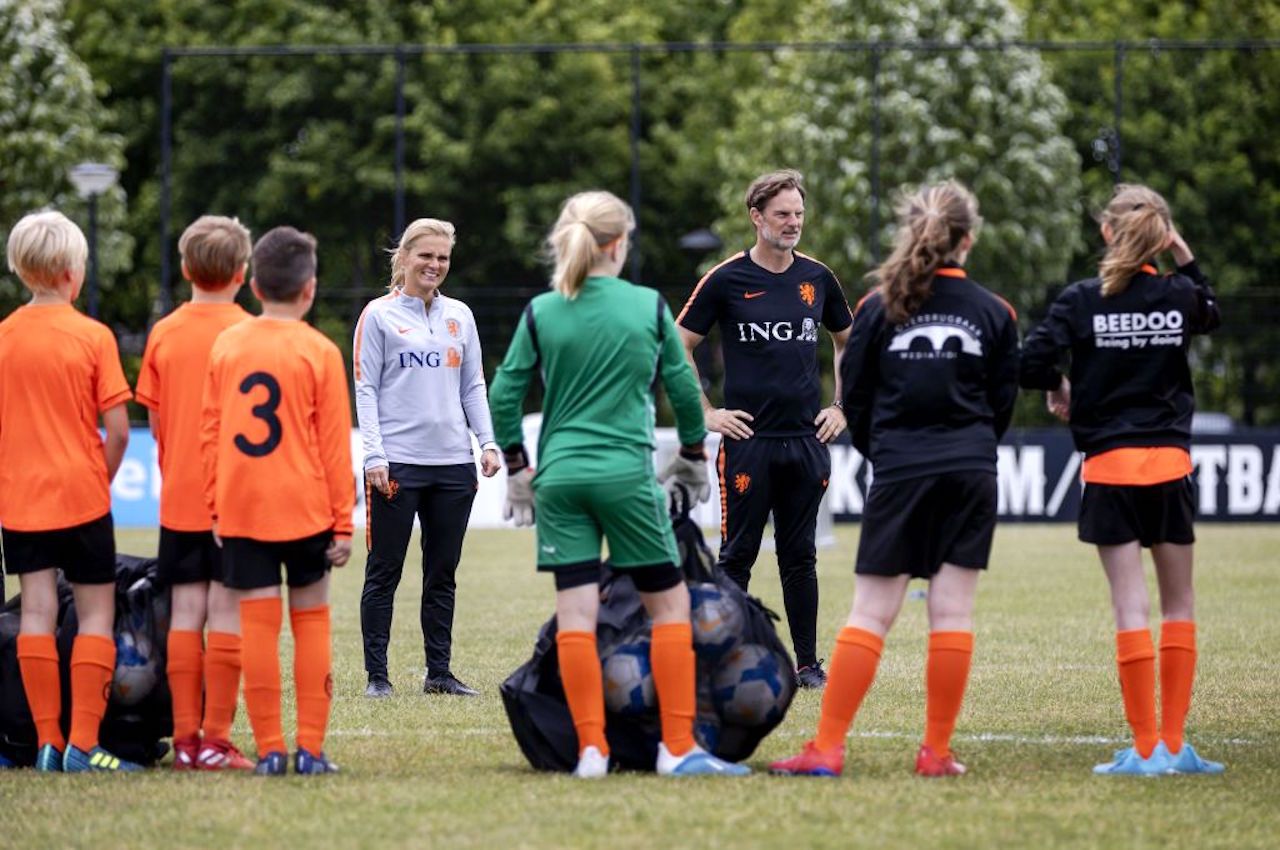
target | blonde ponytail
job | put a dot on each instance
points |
(931, 223)
(1140, 224)
(588, 222)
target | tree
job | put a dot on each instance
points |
(51, 119)
(992, 119)
(1198, 126)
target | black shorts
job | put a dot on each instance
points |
(86, 553)
(249, 564)
(913, 527)
(1114, 514)
(187, 557)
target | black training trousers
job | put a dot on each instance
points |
(785, 475)
(440, 497)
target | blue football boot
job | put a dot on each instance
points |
(1127, 762)
(1188, 760)
(307, 764)
(274, 763)
(696, 762)
(96, 760)
(49, 759)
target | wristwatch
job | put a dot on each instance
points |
(838, 404)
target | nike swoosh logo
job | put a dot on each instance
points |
(750, 295)
(404, 330)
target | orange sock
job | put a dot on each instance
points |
(583, 687)
(260, 628)
(38, 662)
(674, 668)
(853, 669)
(312, 674)
(93, 663)
(1177, 674)
(1136, 660)
(945, 678)
(186, 674)
(221, 684)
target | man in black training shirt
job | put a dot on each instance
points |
(769, 302)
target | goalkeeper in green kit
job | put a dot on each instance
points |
(598, 343)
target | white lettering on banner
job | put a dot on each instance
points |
(1244, 479)
(843, 493)
(1065, 480)
(1272, 503)
(1208, 459)
(130, 481)
(1020, 474)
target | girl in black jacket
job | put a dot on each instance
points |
(1129, 401)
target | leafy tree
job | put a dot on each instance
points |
(51, 119)
(1197, 126)
(992, 119)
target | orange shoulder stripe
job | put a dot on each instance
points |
(355, 348)
(863, 300)
(705, 278)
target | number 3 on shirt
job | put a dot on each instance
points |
(265, 411)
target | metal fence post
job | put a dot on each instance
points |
(636, 260)
(399, 205)
(166, 176)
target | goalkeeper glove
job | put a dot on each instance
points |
(687, 469)
(519, 502)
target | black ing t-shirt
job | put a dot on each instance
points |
(769, 332)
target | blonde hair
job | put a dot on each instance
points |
(214, 248)
(588, 222)
(931, 223)
(417, 229)
(1140, 224)
(43, 245)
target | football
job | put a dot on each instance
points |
(136, 670)
(628, 679)
(751, 687)
(717, 620)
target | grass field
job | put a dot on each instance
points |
(1043, 707)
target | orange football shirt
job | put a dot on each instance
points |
(275, 433)
(59, 370)
(171, 385)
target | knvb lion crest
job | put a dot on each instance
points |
(741, 483)
(452, 359)
(807, 294)
(454, 328)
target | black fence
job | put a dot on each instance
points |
(1107, 103)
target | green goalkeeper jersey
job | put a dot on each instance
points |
(599, 355)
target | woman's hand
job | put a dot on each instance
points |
(1059, 401)
(379, 479)
(1178, 247)
(490, 463)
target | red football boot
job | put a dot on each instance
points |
(222, 755)
(929, 763)
(811, 762)
(185, 751)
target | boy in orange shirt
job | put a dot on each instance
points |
(60, 370)
(275, 437)
(215, 254)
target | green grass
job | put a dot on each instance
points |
(431, 772)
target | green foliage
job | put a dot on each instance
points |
(991, 119)
(50, 119)
(1199, 128)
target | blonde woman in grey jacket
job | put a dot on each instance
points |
(420, 394)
